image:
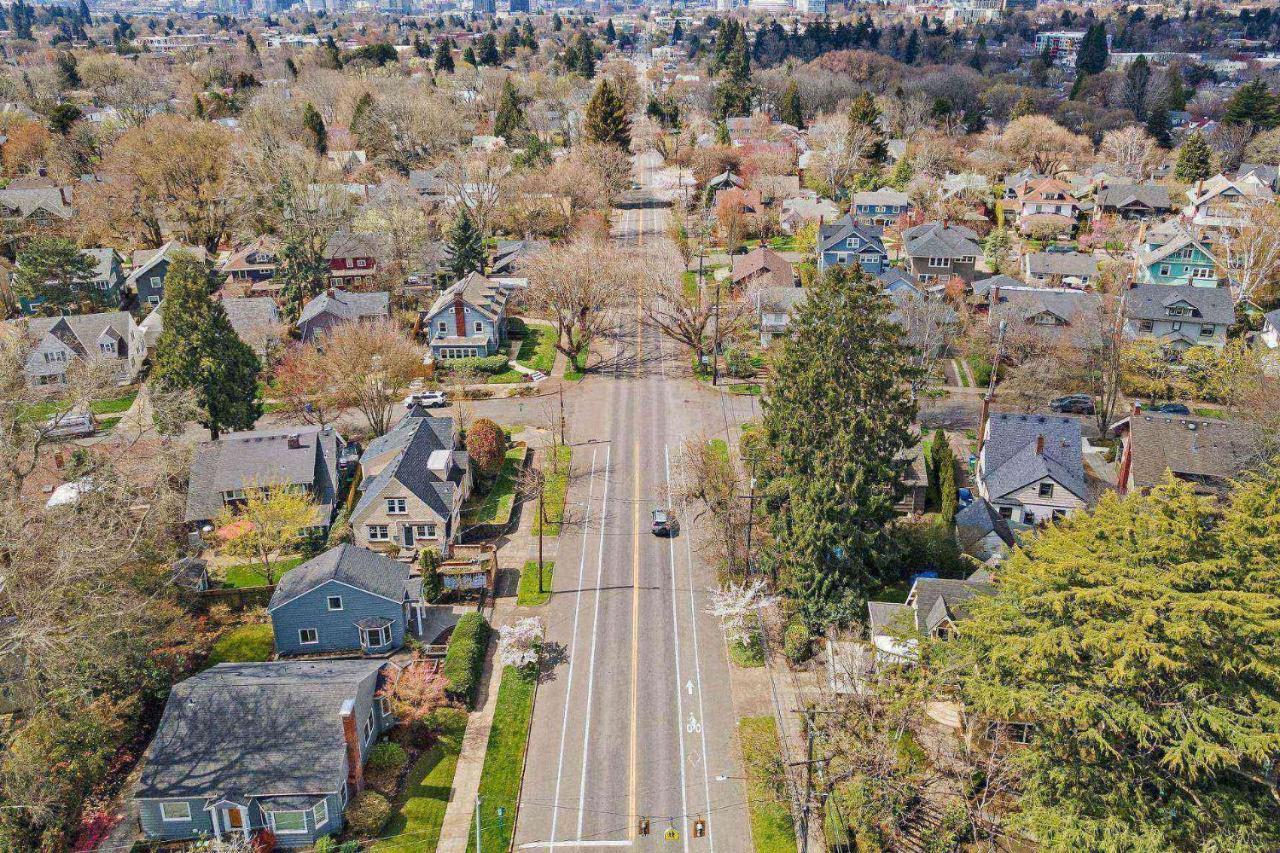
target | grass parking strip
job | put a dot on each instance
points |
(527, 594)
(557, 486)
(771, 828)
(504, 759)
(419, 810)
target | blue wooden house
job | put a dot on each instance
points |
(1172, 255)
(348, 599)
(279, 745)
(880, 207)
(469, 319)
(845, 241)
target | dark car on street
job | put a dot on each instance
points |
(663, 523)
(1072, 404)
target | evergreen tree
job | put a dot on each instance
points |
(85, 18)
(677, 33)
(53, 271)
(736, 95)
(912, 51)
(557, 23)
(291, 67)
(250, 45)
(1140, 639)
(466, 246)
(199, 351)
(1252, 103)
(1093, 53)
(1159, 125)
(488, 52)
(469, 56)
(606, 119)
(313, 124)
(1025, 106)
(68, 70)
(610, 34)
(584, 56)
(863, 112)
(722, 133)
(510, 41)
(838, 418)
(902, 174)
(1195, 159)
(979, 58)
(789, 108)
(509, 120)
(444, 57)
(944, 460)
(62, 116)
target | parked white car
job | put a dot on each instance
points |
(426, 399)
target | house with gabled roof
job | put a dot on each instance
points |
(469, 319)
(1205, 452)
(1223, 202)
(845, 241)
(335, 307)
(932, 609)
(1171, 254)
(880, 207)
(354, 256)
(151, 266)
(1047, 203)
(1031, 468)
(982, 533)
(1140, 202)
(41, 207)
(277, 745)
(761, 267)
(348, 599)
(253, 262)
(413, 484)
(106, 337)
(940, 250)
(1048, 313)
(1056, 269)
(1179, 316)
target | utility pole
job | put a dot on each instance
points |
(751, 520)
(556, 457)
(478, 847)
(715, 338)
(808, 787)
(542, 523)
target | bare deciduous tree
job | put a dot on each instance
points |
(1250, 252)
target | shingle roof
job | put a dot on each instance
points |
(939, 599)
(1149, 301)
(1011, 460)
(347, 305)
(1024, 303)
(250, 314)
(845, 227)
(1202, 450)
(1075, 264)
(263, 457)
(977, 520)
(1155, 196)
(777, 269)
(56, 200)
(354, 566)
(256, 729)
(411, 469)
(936, 240)
(486, 295)
(357, 244)
(81, 331)
(884, 195)
(886, 616)
(983, 286)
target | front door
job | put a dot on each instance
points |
(234, 819)
(408, 535)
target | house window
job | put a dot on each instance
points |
(335, 602)
(376, 638)
(1028, 517)
(156, 281)
(1203, 273)
(1164, 269)
(369, 726)
(443, 327)
(384, 706)
(396, 506)
(232, 496)
(1177, 325)
(59, 357)
(320, 813)
(968, 259)
(1059, 513)
(378, 533)
(479, 327)
(107, 347)
(424, 531)
(940, 263)
(1006, 512)
(1046, 490)
(153, 301)
(288, 823)
(1206, 331)
(1145, 325)
(360, 262)
(175, 811)
(308, 636)
(1176, 310)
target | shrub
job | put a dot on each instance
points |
(795, 643)
(325, 844)
(465, 657)
(491, 364)
(487, 446)
(382, 770)
(368, 813)
(432, 583)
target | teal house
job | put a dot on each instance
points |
(1175, 256)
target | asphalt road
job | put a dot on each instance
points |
(636, 719)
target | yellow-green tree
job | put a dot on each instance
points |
(270, 522)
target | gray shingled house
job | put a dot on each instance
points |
(939, 250)
(1031, 468)
(347, 599)
(303, 457)
(249, 746)
(982, 533)
(335, 307)
(1055, 269)
(932, 608)
(1179, 316)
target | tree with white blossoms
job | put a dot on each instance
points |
(520, 644)
(1250, 252)
(736, 604)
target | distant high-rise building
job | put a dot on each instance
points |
(481, 7)
(519, 6)
(811, 7)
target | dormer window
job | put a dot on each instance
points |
(107, 347)
(1177, 311)
(335, 602)
(396, 506)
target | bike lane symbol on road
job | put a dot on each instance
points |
(693, 726)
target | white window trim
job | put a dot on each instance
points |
(303, 642)
(370, 728)
(315, 813)
(939, 263)
(329, 603)
(379, 533)
(164, 816)
(271, 819)
(397, 506)
(384, 706)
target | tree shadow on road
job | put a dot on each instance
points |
(553, 655)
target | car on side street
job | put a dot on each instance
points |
(426, 399)
(1172, 409)
(1072, 404)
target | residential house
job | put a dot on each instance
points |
(1173, 255)
(469, 319)
(1058, 269)
(774, 307)
(150, 266)
(726, 180)
(1133, 202)
(933, 607)
(1179, 316)
(1205, 452)
(880, 207)
(762, 267)
(1030, 467)
(279, 745)
(413, 484)
(1261, 174)
(846, 242)
(254, 319)
(1268, 342)
(915, 481)
(353, 257)
(106, 337)
(108, 278)
(348, 599)
(1055, 314)
(225, 469)
(982, 533)
(335, 307)
(799, 212)
(775, 189)
(510, 255)
(251, 264)
(1047, 206)
(41, 208)
(939, 250)
(1222, 202)
(981, 289)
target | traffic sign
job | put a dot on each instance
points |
(671, 834)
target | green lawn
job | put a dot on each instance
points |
(250, 574)
(113, 406)
(557, 485)
(771, 828)
(527, 594)
(497, 504)
(504, 759)
(690, 279)
(575, 369)
(785, 243)
(418, 813)
(510, 376)
(745, 389)
(748, 655)
(538, 349)
(720, 448)
(243, 645)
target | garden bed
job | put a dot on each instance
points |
(418, 812)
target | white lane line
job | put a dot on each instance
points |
(591, 668)
(573, 646)
(675, 631)
(697, 677)
(562, 845)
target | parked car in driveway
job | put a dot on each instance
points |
(426, 399)
(1072, 404)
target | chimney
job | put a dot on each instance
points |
(459, 316)
(1040, 444)
(351, 736)
(329, 293)
(295, 441)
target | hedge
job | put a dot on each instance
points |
(489, 364)
(464, 658)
